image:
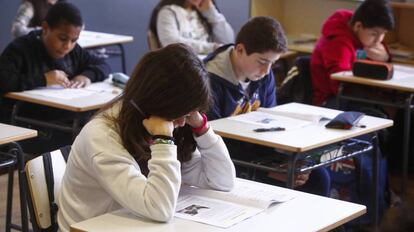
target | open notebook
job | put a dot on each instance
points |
(224, 209)
(274, 117)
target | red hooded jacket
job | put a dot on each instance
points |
(334, 52)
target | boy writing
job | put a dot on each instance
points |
(51, 56)
(242, 80)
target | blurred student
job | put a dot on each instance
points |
(196, 23)
(346, 36)
(139, 149)
(30, 16)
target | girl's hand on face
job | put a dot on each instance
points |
(378, 53)
(194, 119)
(205, 5)
(158, 126)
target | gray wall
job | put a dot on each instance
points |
(129, 17)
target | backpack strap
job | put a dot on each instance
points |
(50, 183)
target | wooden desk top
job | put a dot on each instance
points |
(9, 133)
(91, 39)
(306, 212)
(301, 139)
(403, 79)
(102, 93)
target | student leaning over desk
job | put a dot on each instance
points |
(242, 81)
(196, 23)
(46, 57)
(51, 56)
(139, 149)
(345, 37)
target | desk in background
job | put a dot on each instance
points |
(101, 93)
(403, 84)
(10, 135)
(306, 212)
(296, 142)
(91, 39)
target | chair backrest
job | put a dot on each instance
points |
(297, 86)
(152, 40)
(41, 206)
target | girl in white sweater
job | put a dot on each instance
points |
(196, 23)
(139, 149)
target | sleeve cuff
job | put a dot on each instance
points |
(212, 14)
(207, 139)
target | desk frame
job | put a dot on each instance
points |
(293, 157)
(406, 105)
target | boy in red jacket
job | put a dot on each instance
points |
(346, 35)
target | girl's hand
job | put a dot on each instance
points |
(378, 53)
(194, 119)
(158, 126)
(205, 5)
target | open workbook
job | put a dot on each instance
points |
(224, 209)
(277, 117)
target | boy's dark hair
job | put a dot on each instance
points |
(64, 13)
(262, 34)
(374, 13)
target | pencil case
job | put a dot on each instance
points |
(345, 120)
(373, 69)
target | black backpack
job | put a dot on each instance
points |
(297, 86)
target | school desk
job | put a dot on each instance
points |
(92, 39)
(9, 135)
(306, 212)
(402, 84)
(100, 94)
(298, 142)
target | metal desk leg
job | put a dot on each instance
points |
(406, 142)
(291, 170)
(375, 179)
(17, 151)
(123, 63)
(339, 95)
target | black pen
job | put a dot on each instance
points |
(269, 129)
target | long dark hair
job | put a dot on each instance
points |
(153, 20)
(168, 83)
(40, 9)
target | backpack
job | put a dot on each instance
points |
(297, 86)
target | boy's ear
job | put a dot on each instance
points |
(357, 26)
(45, 27)
(240, 49)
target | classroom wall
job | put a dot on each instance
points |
(129, 17)
(300, 16)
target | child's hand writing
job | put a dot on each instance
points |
(79, 82)
(57, 77)
(378, 53)
(158, 126)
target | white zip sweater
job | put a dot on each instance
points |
(177, 25)
(101, 176)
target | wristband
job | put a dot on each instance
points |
(197, 130)
(162, 139)
(165, 137)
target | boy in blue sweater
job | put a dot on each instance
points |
(242, 80)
